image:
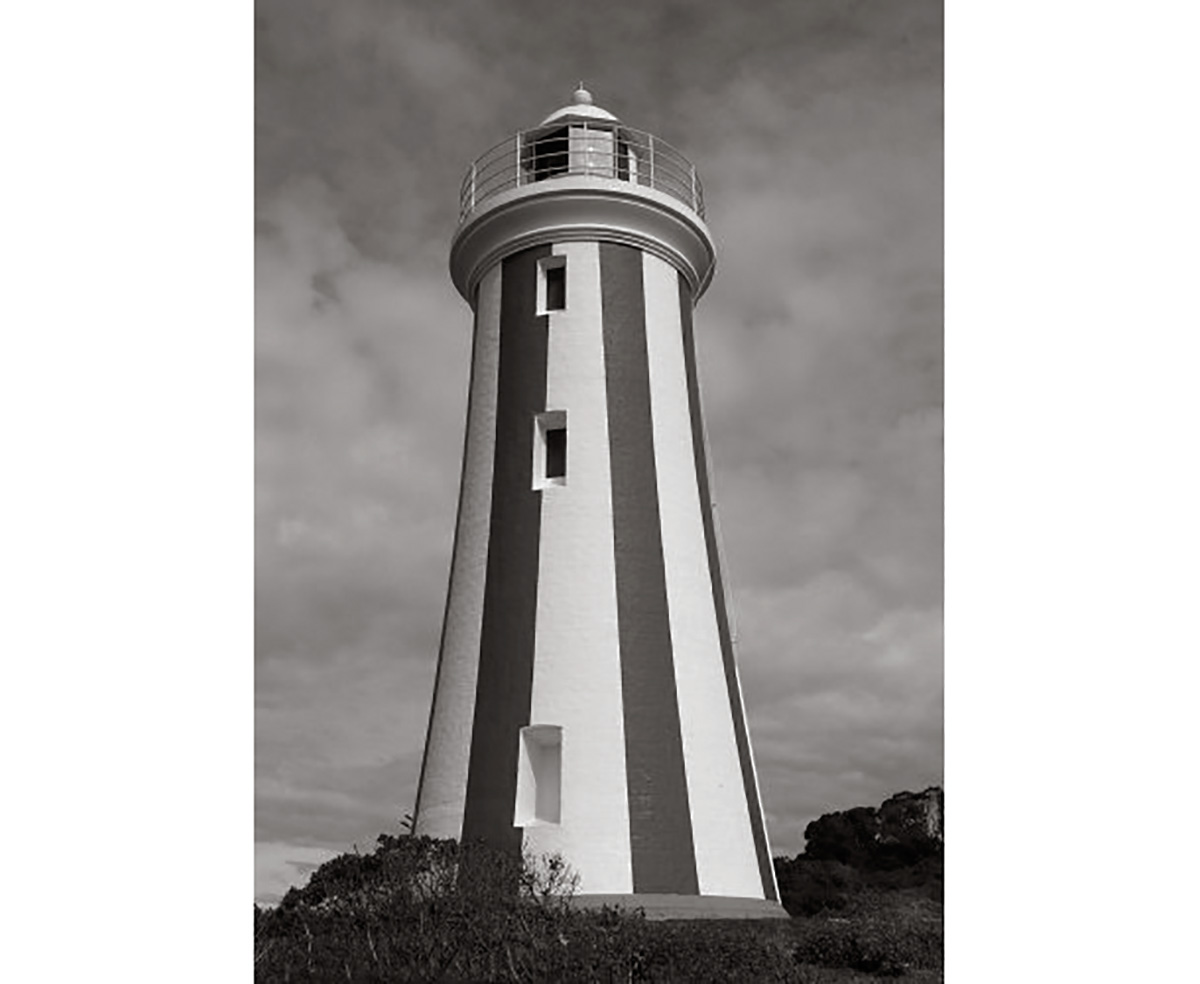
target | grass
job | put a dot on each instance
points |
(878, 934)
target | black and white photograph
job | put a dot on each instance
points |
(598, 401)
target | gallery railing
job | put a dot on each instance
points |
(581, 149)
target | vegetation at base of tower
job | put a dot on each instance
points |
(418, 909)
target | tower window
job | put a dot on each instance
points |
(556, 288)
(539, 776)
(556, 452)
(552, 284)
(550, 449)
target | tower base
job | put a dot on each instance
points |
(659, 907)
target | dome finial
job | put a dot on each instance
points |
(581, 107)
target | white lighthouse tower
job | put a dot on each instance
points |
(587, 700)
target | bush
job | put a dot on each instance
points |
(848, 836)
(420, 910)
(807, 888)
(905, 830)
(416, 909)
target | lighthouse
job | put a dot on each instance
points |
(587, 700)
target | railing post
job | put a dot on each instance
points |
(472, 187)
(695, 203)
(651, 156)
(518, 171)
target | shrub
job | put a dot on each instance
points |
(807, 887)
(421, 910)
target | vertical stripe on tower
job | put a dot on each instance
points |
(442, 789)
(765, 867)
(577, 661)
(510, 596)
(660, 829)
(726, 863)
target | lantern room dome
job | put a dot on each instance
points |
(581, 108)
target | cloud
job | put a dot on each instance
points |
(279, 865)
(848, 708)
(359, 432)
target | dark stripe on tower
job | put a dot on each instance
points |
(505, 683)
(718, 592)
(660, 823)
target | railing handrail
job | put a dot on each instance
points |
(629, 155)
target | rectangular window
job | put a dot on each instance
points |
(549, 449)
(556, 288)
(539, 776)
(556, 452)
(552, 285)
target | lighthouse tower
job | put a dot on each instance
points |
(587, 701)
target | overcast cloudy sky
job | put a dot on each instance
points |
(817, 129)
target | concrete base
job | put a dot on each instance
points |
(658, 907)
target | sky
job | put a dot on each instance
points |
(816, 127)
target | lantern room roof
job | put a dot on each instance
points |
(581, 108)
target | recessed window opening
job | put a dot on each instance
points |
(539, 776)
(552, 284)
(550, 449)
(556, 452)
(556, 288)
